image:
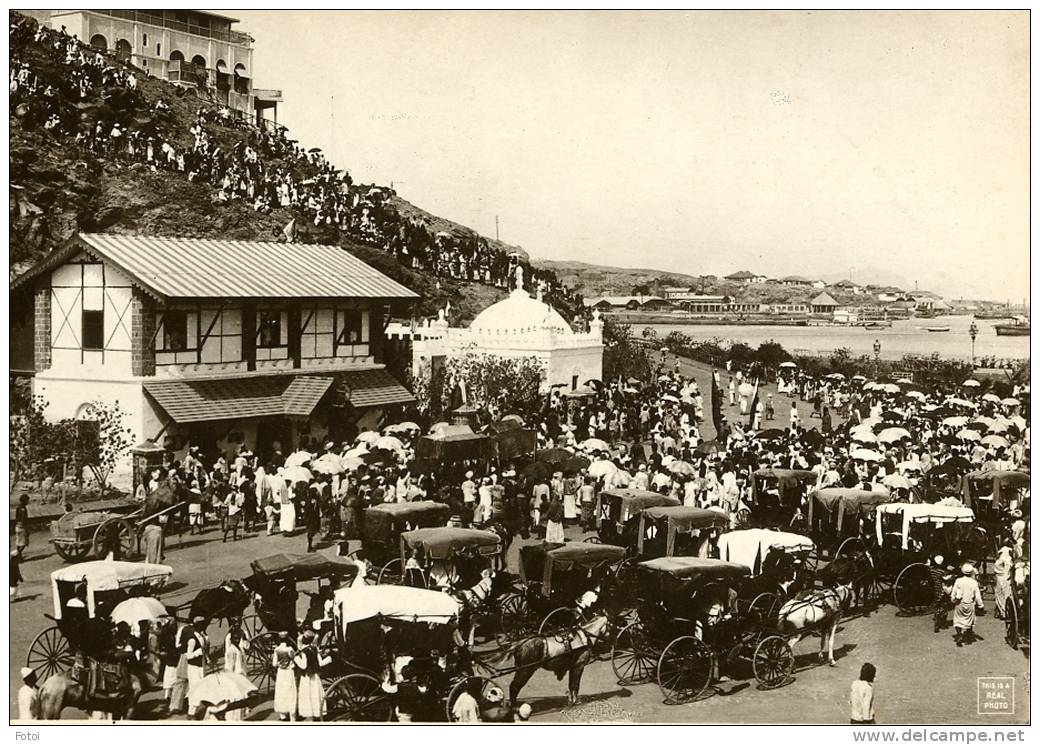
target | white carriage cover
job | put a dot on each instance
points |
(108, 575)
(920, 513)
(351, 604)
(750, 547)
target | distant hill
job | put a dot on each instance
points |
(592, 279)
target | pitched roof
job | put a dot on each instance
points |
(201, 268)
(375, 388)
(823, 299)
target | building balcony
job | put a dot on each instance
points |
(157, 19)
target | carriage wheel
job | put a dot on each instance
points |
(912, 591)
(810, 564)
(772, 662)
(49, 654)
(632, 656)
(113, 529)
(259, 662)
(486, 685)
(591, 538)
(392, 574)
(251, 625)
(684, 670)
(743, 518)
(357, 698)
(73, 552)
(1011, 623)
(765, 607)
(514, 621)
(559, 621)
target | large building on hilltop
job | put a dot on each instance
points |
(213, 343)
(193, 49)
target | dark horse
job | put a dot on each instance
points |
(226, 601)
(568, 652)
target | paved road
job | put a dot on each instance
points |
(922, 677)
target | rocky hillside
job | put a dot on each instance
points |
(63, 182)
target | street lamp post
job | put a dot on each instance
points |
(973, 331)
(877, 358)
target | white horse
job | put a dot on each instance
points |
(820, 611)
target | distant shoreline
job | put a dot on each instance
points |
(674, 320)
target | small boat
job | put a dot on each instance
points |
(1020, 327)
(876, 325)
(938, 329)
(998, 315)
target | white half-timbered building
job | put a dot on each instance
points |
(214, 343)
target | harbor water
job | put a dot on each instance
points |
(903, 337)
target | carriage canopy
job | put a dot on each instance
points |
(301, 567)
(690, 567)
(408, 604)
(444, 543)
(750, 547)
(542, 560)
(1003, 484)
(786, 479)
(384, 522)
(677, 520)
(840, 502)
(935, 514)
(104, 576)
(620, 505)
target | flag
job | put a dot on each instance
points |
(289, 231)
(754, 405)
(716, 411)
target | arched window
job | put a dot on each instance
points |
(222, 66)
(99, 42)
(240, 70)
(123, 50)
(198, 60)
(176, 56)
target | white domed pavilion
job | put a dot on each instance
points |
(518, 326)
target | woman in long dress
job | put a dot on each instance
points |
(310, 695)
(287, 514)
(284, 679)
(554, 522)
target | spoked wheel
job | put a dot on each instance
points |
(684, 670)
(390, 573)
(559, 621)
(766, 608)
(514, 621)
(49, 654)
(810, 564)
(73, 552)
(358, 698)
(772, 662)
(251, 625)
(743, 518)
(259, 662)
(110, 532)
(850, 547)
(591, 538)
(632, 656)
(484, 690)
(913, 592)
(1011, 623)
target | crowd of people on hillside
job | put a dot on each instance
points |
(93, 99)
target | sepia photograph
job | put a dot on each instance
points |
(582, 367)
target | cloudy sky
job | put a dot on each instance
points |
(808, 143)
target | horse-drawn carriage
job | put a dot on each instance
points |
(275, 586)
(992, 495)
(777, 494)
(561, 582)
(839, 516)
(618, 511)
(908, 536)
(781, 564)
(77, 535)
(1016, 607)
(389, 643)
(690, 629)
(100, 608)
(678, 531)
(381, 528)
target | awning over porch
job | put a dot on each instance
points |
(187, 401)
